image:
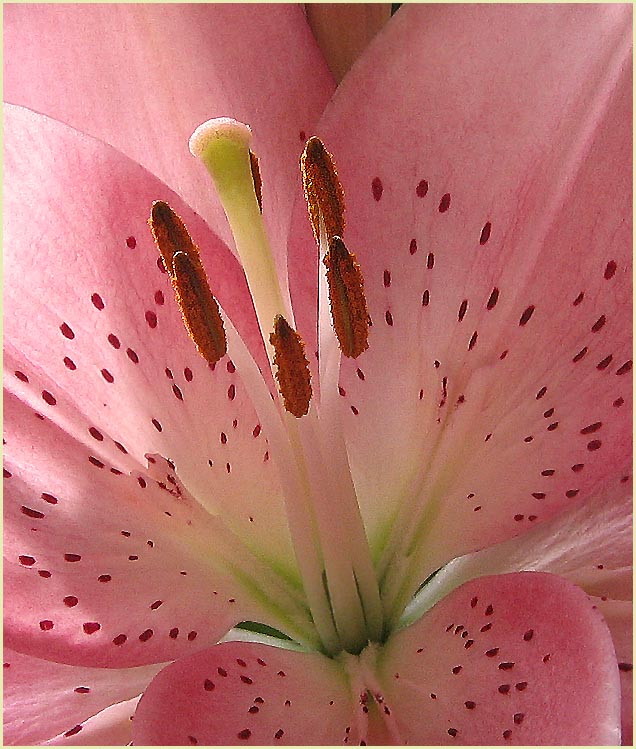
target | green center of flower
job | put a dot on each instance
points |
(304, 427)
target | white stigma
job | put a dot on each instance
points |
(220, 128)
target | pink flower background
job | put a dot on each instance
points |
(485, 153)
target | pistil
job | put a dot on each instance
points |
(306, 437)
(223, 147)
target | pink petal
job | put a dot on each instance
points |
(110, 727)
(513, 659)
(95, 338)
(43, 699)
(620, 620)
(103, 568)
(142, 78)
(590, 544)
(486, 156)
(240, 693)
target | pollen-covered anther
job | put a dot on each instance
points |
(199, 308)
(170, 234)
(349, 313)
(323, 191)
(292, 373)
(256, 177)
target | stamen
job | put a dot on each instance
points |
(199, 309)
(323, 191)
(294, 378)
(348, 303)
(170, 234)
(256, 176)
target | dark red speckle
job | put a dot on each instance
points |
(97, 301)
(422, 188)
(67, 332)
(49, 398)
(376, 188)
(485, 233)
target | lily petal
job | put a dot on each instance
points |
(496, 661)
(143, 77)
(110, 727)
(243, 693)
(620, 620)
(490, 213)
(590, 545)
(43, 698)
(93, 328)
(103, 568)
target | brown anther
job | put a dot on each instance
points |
(256, 177)
(199, 309)
(323, 191)
(294, 378)
(349, 313)
(170, 234)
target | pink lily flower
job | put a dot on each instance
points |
(439, 550)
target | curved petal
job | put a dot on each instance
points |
(43, 699)
(92, 327)
(111, 727)
(488, 183)
(591, 545)
(142, 78)
(620, 620)
(103, 568)
(241, 693)
(512, 659)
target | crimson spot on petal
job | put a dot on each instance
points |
(97, 301)
(66, 331)
(422, 188)
(377, 188)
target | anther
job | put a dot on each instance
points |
(323, 191)
(199, 309)
(349, 313)
(256, 176)
(170, 233)
(293, 376)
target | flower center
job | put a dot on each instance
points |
(303, 424)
